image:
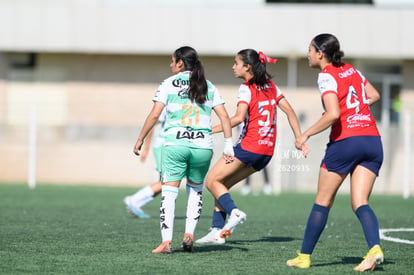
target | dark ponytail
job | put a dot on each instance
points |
(197, 91)
(260, 75)
(328, 44)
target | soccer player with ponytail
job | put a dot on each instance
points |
(354, 148)
(189, 100)
(258, 98)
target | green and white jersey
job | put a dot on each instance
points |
(188, 123)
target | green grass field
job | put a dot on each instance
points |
(86, 230)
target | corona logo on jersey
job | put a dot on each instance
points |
(179, 83)
(183, 92)
(183, 85)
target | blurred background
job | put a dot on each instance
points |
(77, 78)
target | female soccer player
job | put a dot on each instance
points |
(257, 99)
(189, 100)
(355, 147)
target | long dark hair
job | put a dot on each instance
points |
(328, 44)
(260, 75)
(197, 91)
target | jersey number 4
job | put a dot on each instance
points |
(352, 100)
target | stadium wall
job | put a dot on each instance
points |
(148, 27)
(91, 68)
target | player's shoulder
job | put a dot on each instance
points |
(244, 86)
(326, 77)
(179, 76)
(244, 90)
(211, 86)
(167, 81)
(340, 71)
(273, 84)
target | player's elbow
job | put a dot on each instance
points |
(374, 98)
(153, 118)
(235, 121)
(333, 116)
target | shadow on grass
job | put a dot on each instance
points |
(209, 248)
(151, 216)
(232, 244)
(264, 239)
(277, 239)
(353, 261)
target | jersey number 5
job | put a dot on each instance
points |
(265, 112)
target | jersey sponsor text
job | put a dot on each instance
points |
(189, 135)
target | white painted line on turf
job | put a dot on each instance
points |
(397, 240)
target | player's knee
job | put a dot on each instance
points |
(356, 205)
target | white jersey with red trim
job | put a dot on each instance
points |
(349, 86)
(259, 132)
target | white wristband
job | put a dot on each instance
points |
(228, 147)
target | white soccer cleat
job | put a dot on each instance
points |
(237, 217)
(126, 200)
(212, 237)
(133, 209)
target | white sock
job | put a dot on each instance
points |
(194, 206)
(143, 196)
(167, 211)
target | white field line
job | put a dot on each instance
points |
(397, 240)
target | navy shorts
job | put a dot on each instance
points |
(344, 155)
(257, 161)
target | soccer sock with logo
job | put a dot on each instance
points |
(369, 224)
(226, 202)
(167, 211)
(194, 206)
(143, 196)
(316, 223)
(219, 219)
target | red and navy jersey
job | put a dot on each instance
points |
(259, 132)
(348, 84)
